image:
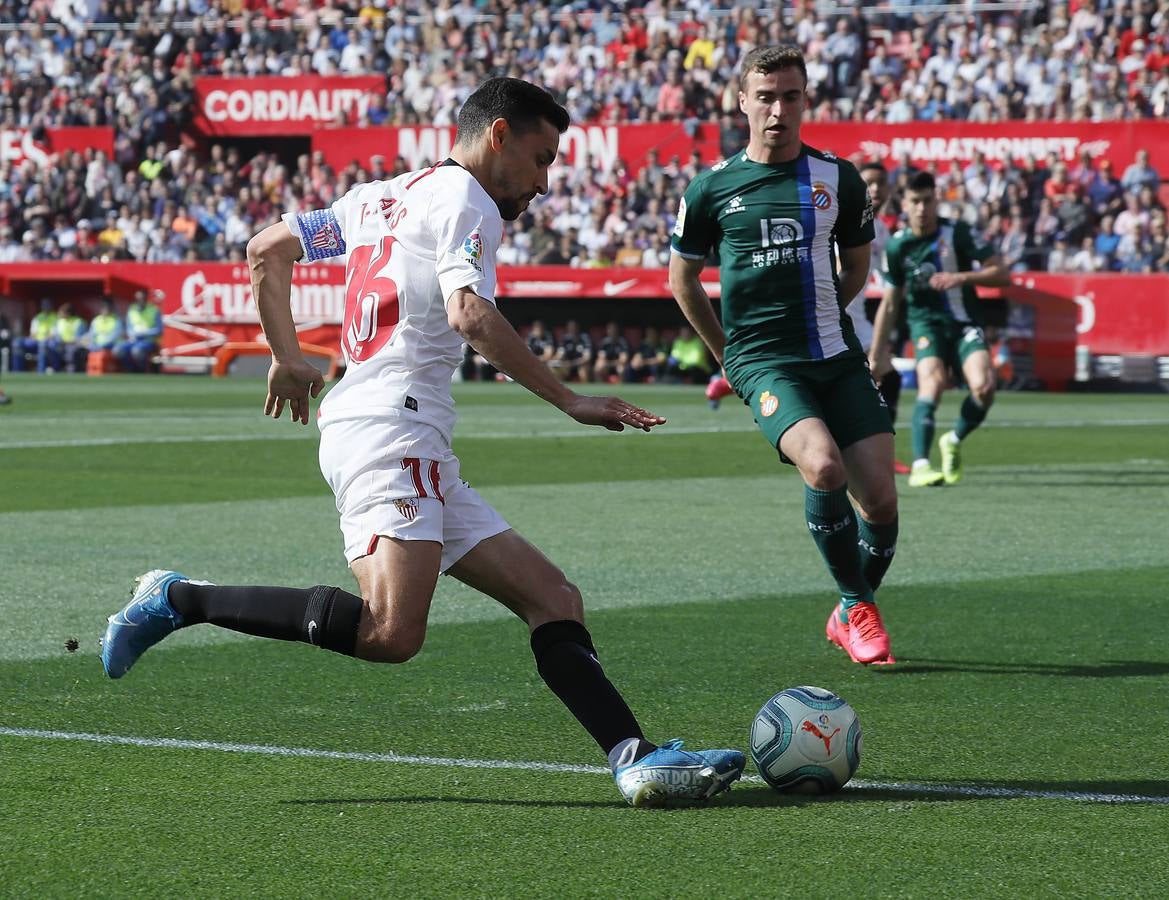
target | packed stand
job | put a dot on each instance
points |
(132, 67)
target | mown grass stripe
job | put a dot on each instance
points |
(908, 788)
(542, 434)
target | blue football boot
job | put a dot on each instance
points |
(142, 623)
(671, 776)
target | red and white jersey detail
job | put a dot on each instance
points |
(856, 308)
(408, 244)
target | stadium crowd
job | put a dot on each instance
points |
(132, 66)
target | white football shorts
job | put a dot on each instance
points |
(398, 480)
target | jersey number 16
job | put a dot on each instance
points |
(371, 301)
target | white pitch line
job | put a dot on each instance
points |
(909, 788)
(547, 434)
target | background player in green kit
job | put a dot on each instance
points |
(775, 212)
(932, 269)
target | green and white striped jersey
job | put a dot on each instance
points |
(774, 227)
(913, 260)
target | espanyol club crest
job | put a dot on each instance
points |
(821, 199)
(768, 404)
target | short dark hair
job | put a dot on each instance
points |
(876, 167)
(767, 59)
(522, 104)
(921, 181)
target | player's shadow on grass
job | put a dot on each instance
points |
(471, 801)
(1113, 668)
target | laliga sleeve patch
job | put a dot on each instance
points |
(320, 232)
(471, 250)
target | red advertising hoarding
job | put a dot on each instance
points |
(18, 145)
(280, 106)
(584, 146)
(1126, 315)
(600, 146)
(1003, 143)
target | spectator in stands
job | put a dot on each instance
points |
(143, 333)
(573, 357)
(40, 333)
(1105, 192)
(1085, 259)
(1013, 244)
(1059, 259)
(649, 359)
(612, 355)
(639, 62)
(1107, 243)
(1140, 174)
(66, 349)
(688, 360)
(105, 331)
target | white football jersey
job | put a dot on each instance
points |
(408, 244)
(856, 309)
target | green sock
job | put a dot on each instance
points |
(832, 524)
(923, 428)
(969, 418)
(877, 542)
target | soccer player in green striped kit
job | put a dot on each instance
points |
(933, 267)
(775, 212)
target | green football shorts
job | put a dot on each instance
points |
(952, 343)
(840, 391)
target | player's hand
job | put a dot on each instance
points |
(611, 412)
(943, 281)
(292, 383)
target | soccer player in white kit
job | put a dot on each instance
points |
(420, 280)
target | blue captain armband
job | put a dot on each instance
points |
(320, 232)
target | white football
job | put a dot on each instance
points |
(806, 739)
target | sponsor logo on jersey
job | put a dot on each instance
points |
(720, 165)
(736, 205)
(821, 199)
(680, 225)
(780, 232)
(408, 507)
(768, 404)
(920, 277)
(327, 237)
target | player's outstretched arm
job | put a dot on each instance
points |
(291, 379)
(482, 326)
(992, 273)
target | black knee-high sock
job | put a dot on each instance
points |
(567, 661)
(891, 390)
(322, 616)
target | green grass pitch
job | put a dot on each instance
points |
(1017, 749)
